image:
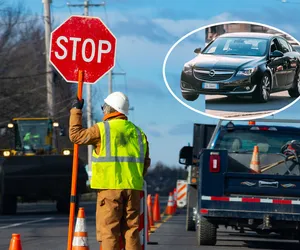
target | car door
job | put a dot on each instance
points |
(277, 66)
(290, 61)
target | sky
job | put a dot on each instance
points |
(145, 31)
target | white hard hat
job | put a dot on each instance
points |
(118, 101)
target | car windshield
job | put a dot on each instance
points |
(237, 46)
(244, 140)
(32, 134)
(297, 48)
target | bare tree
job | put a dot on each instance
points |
(22, 72)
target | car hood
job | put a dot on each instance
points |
(224, 62)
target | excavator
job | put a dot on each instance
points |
(33, 169)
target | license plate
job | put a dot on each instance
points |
(206, 85)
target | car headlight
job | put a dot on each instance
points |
(246, 71)
(66, 152)
(187, 68)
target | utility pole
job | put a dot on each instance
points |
(110, 79)
(49, 71)
(86, 6)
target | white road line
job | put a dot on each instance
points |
(25, 223)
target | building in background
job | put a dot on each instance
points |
(213, 32)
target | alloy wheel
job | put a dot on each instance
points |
(266, 87)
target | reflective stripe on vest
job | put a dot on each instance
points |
(120, 162)
(110, 158)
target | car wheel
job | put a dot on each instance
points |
(295, 90)
(263, 90)
(190, 97)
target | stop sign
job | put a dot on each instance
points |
(82, 43)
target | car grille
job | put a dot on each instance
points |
(219, 75)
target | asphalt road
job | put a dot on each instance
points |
(41, 228)
(172, 235)
(244, 107)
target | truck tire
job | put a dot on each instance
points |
(206, 232)
(190, 223)
(8, 204)
(63, 204)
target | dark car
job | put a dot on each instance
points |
(244, 63)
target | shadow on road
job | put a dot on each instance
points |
(272, 245)
(247, 105)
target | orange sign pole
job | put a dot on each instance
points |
(74, 172)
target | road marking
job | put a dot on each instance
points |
(159, 224)
(25, 223)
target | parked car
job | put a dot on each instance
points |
(244, 63)
(297, 48)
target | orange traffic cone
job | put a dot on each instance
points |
(255, 163)
(156, 209)
(80, 239)
(15, 242)
(170, 206)
(150, 211)
(175, 201)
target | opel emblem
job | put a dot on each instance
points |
(211, 73)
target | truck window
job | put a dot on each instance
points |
(244, 140)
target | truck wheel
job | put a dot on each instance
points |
(8, 204)
(190, 223)
(206, 232)
(63, 204)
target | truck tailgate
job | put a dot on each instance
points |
(241, 194)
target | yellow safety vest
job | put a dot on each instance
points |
(120, 163)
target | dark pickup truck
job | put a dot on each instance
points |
(229, 194)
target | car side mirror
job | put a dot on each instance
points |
(186, 155)
(276, 53)
(197, 50)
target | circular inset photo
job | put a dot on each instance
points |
(234, 70)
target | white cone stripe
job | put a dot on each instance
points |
(80, 242)
(80, 225)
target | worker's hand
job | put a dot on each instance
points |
(78, 104)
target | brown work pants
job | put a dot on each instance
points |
(117, 214)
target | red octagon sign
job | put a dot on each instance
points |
(82, 43)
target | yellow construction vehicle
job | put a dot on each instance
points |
(33, 169)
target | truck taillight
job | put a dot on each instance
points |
(214, 162)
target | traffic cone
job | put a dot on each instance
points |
(15, 242)
(156, 209)
(80, 239)
(170, 206)
(175, 201)
(255, 163)
(150, 211)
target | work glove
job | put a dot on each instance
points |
(77, 103)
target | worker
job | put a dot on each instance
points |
(119, 163)
(32, 137)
